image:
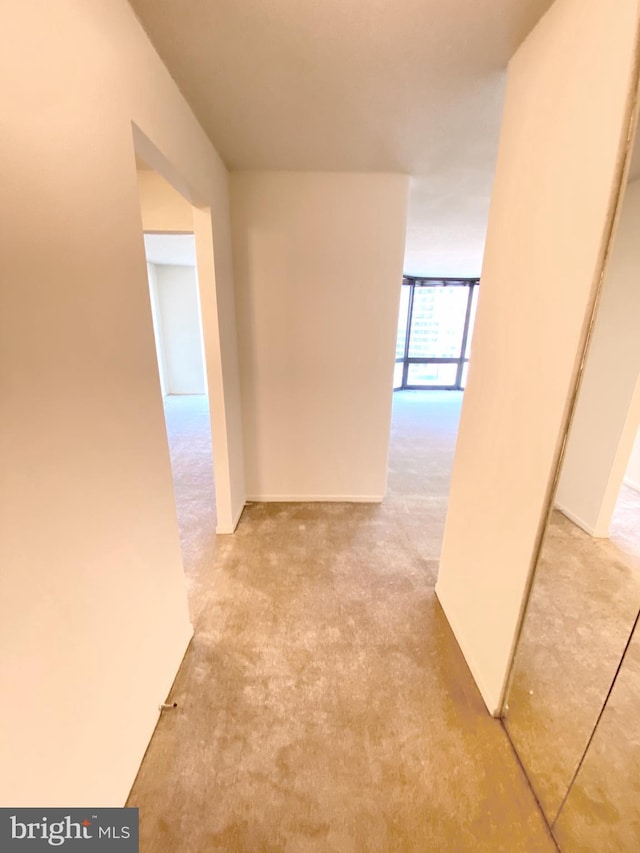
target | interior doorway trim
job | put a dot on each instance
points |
(229, 504)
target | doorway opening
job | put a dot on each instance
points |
(435, 327)
(433, 348)
(170, 250)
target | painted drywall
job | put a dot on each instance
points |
(561, 147)
(157, 326)
(163, 208)
(178, 250)
(93, 613)
(181, 338)
(600, 440)
(318, 262)
(632, 475)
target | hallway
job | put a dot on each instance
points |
(323, 704)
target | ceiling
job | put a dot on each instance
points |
(172, 249)
(411, 86)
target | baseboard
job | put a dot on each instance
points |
(581, 524)
(223, 530)
(357, 499)
(632, 484)
(493, 702)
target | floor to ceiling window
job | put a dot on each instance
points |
(434, 332)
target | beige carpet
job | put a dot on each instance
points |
(324, 705)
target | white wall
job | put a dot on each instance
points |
(93, 615)
(605, 422)
(318, 261)
(157, 326)
(180, 341)
(163, 208)
(564, 126)
(632, 476)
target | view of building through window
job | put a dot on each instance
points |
(434, 332)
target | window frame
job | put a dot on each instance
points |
(406, 360)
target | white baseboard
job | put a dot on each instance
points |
(632, 484)
(356, 499)
(224, 530)
(581, 524)
(492, 701)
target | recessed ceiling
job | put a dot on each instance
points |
(170, 249)
(412, 86)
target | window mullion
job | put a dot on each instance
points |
(405, 366)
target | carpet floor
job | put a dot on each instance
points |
(323, 704)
